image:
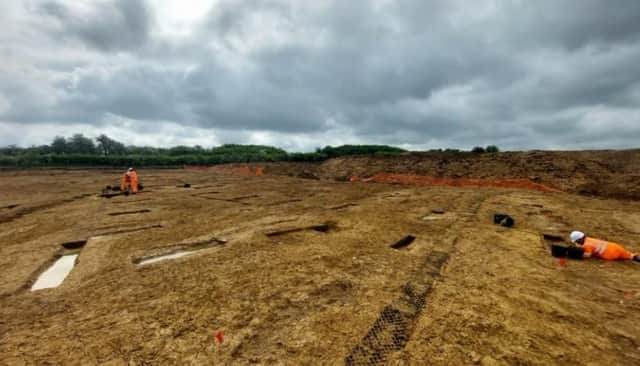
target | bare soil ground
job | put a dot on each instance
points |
(301, 272)
(609, 173)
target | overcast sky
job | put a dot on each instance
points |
(543, 74)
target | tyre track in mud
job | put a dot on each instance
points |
(392, 330)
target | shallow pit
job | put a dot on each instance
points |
(130, 201)
(284, 202)
(126, 230)
(340, 207)
(552, 238)
(431, 218)
(179, 251)
(321, 228)
(77, 244)
(55, 275)
(129, 212)
(404, 242)
(159, 258)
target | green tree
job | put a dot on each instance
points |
(346, 150)
(182, 150)
(79, 144)
(108, 146)
(492, 149)
(59, 145)
(144, 150)
(11, 150)
(478, 150)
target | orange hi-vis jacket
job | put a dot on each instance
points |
(134, 181)
(605, 249)
(129, 179)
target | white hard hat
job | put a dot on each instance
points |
(576, 235)
(130, 169)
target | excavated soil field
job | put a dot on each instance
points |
(278, 270)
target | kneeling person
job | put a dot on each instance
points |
(129, 181)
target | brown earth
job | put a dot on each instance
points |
(613, 174)
(421, 180)
(301, 272)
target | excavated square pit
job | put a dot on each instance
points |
(160, 258)
(179, 251)
(55, 275)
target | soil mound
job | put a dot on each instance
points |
(422, 180)
(605, 173)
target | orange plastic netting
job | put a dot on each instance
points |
(423, 180)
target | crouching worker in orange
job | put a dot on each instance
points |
(129, 181)
(601, 249)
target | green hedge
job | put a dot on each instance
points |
(35, 157)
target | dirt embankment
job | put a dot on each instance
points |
(614, 174)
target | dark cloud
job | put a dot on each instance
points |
(574, 24)
(110, 26)
(521, 74)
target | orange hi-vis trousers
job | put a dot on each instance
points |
(606, 250)
(129, 181)
(133, 176)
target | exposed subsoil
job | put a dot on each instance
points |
(299, 271)
(613, 174)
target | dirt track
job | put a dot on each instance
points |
(342, 295)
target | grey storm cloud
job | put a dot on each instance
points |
(109, 26)
(423, 74)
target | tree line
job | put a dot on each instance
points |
(79, 150)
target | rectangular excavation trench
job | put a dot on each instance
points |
(128, 230)
(404, 242)
(238, 200)
(552, 238)
(129, 212)
(340, 207)
(284, 202)
(179, 251)
(217, 199)
(205, 193)
(73, 245)
(55, 275)
(203, 187)
(160, 258)
(322, 228)
(130, 201)
(436, 214)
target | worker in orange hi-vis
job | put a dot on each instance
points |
(601, 249)
(129, 181)
(134, 180)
